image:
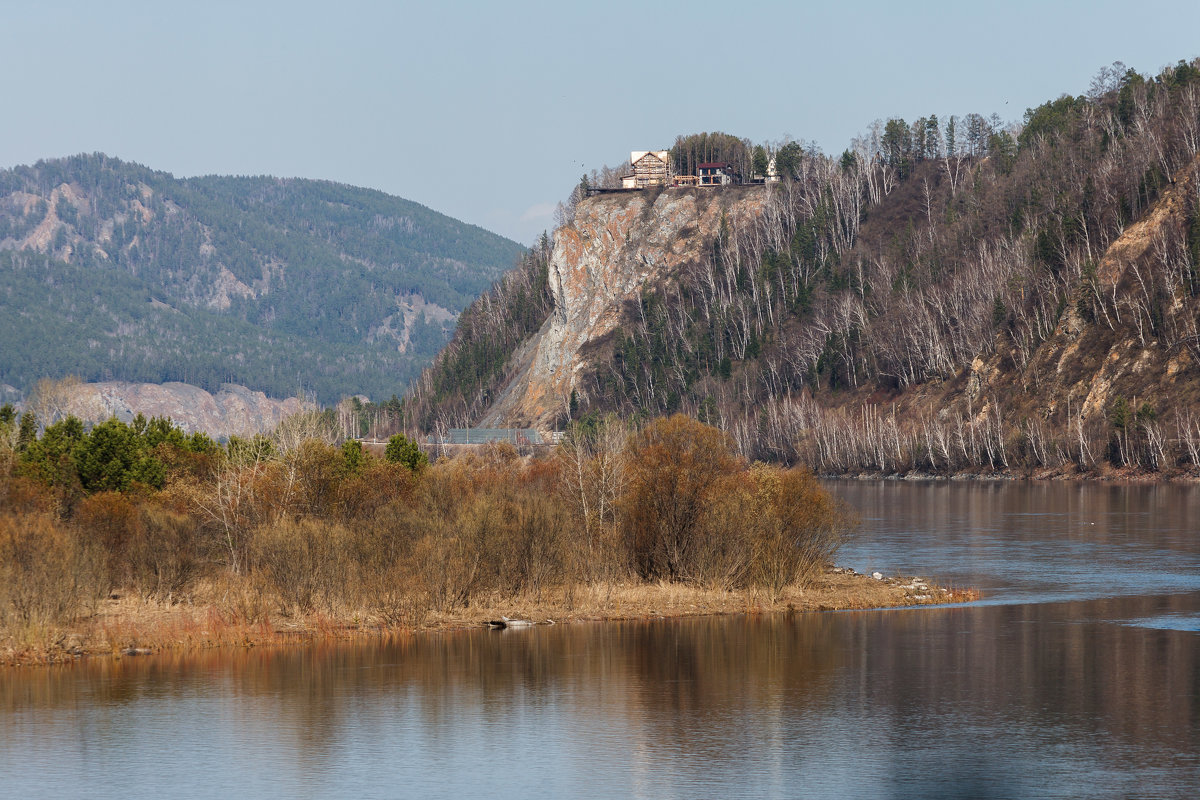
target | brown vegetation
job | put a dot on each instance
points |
(234, 612)
(296, 537)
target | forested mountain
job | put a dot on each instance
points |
(110, 270)
(943, 295)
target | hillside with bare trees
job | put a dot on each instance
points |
(951, 295)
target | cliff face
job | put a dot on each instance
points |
(1033, 305)
(233, 411)
(617, 246)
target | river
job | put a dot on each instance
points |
(1076, 675)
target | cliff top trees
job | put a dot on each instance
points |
(762, 161)
(699, 148)
(896, 146)
(788, 158)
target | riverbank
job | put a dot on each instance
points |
(228, 616)
(1065, 474)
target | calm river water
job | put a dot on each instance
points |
(1077, 676)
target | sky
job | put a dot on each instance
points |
(491, 111)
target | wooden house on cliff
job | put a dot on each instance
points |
(653, 168)
(650, 168)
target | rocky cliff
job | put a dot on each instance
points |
(1031, 305)
(618, 246)
(232, 411)
(1126, 335)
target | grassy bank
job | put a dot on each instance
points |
(128, 538)
(1068, 474)
(229, 615)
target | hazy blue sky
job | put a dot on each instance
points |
(489, 111)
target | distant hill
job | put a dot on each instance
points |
(113, 271)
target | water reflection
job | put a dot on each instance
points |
(1093, 690)
(1177, 621)
(1030, 542)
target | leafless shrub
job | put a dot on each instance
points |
(724, 537)
(111, 520)
(593, 475)
(795, 528)
(302, 562)
(47, 575)
(165, 553)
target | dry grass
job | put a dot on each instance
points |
(309, 546)
(228, 614)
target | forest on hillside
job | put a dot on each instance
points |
(115, 271)
(896, 264)
(477, 362)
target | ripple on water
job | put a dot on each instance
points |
(1168, 622)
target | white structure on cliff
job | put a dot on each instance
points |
(650, 168)
(718, 173)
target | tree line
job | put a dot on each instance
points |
(296, 522)
(922, 248)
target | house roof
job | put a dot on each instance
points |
(713, 164)
(658, 161)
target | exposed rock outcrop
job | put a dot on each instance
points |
(617, 246)
(233, 410)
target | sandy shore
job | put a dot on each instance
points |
(127, 626)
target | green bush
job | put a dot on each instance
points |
(402, 450)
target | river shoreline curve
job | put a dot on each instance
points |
(127, 626)
(1177, 476)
